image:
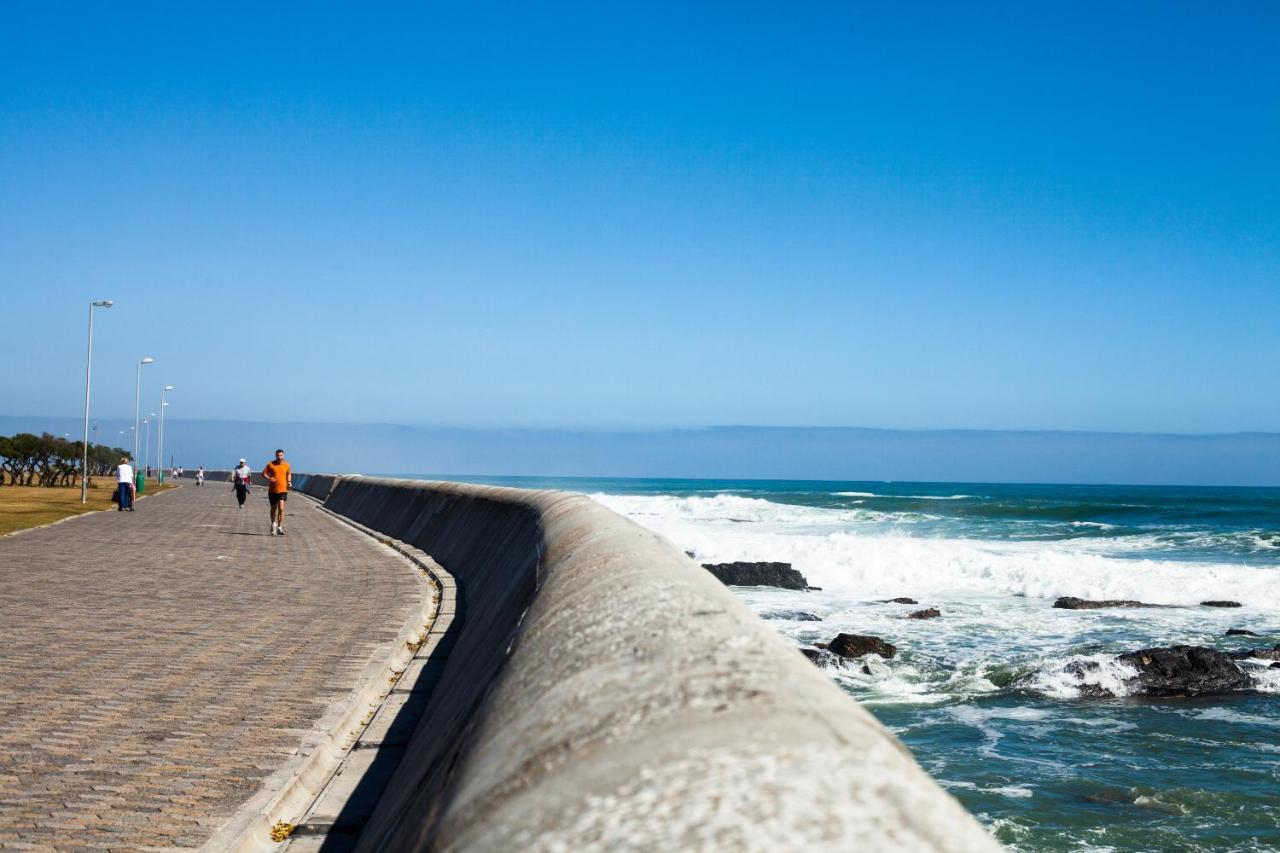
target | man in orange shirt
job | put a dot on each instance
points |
(279, 482)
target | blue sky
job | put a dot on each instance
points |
(1001, 216)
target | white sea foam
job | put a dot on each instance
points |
(1229, 715)
(1015, 791)
(904, 497)
(1061, 680)
(1266, 680)
(852, 550)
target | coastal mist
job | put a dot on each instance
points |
(1023, 710)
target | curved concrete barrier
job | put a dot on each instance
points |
(605, 693)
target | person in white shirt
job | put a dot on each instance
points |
(240, 481)
(124, 485)
(200, 476)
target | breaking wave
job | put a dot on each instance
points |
(869, 553)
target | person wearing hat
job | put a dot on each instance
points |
(124, 485)
(240, 479)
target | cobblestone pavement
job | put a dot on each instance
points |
(157, 666)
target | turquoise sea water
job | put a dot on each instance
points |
(1042, 767)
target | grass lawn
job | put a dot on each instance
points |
(28, 506)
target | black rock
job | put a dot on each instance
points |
(821, 657)
(1275, 665)
(1240, 632)
(1259, 654)
(1073, 603)
(758, 574)
(857, 645)
(1178, 671)
(903, 600)
(1221, 604)
(691, 555)
(1110, 798)
(927, 613)
(792, 615)
(1185, 671)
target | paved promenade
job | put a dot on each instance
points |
(157, 666)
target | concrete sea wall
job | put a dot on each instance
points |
(605, 693)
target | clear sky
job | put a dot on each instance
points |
(950, 215)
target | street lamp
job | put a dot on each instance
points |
(88, 370)
(160, 443)
(137, 405)
(159, 439)
(146, 456)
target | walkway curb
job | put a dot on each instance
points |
(313, 833)
(289, 792)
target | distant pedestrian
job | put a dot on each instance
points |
(240, 482)
(200, 476)
(124, 485)
(279, 481)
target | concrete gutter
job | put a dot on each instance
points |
(605, 693)
(289, 792)
(339, 814)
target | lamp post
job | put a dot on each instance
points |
(137, 405)
(159, 438)
(160, 443)
(88, 370)
(146, 456)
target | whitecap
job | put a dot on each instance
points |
(1069, 677)
(1013, 791)
(850, 550)
(1228, 715)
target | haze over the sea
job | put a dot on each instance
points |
(726, 452)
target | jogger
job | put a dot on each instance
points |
(240, 479)
(279, 482)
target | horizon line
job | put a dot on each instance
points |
(702, 428)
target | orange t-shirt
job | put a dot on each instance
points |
(277, 474)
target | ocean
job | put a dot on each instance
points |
(982, 695)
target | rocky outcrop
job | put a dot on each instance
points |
(791, 615)
(758, 574)
(927, 613)
(1256, 654)
(1240, 632)
(857, 645)
(1178, 671)
(1072, 603)
(1221, 604)
(902, 600)
(1186, 671)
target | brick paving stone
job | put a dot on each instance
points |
(157, 666)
